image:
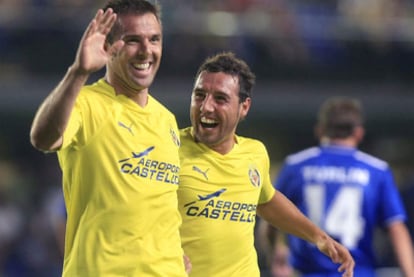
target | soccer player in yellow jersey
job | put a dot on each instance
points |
(118, 150)
(224, 180)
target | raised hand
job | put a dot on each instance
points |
(93, 53)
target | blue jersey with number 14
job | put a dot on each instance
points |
(347, 193)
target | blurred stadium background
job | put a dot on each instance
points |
(302, 51)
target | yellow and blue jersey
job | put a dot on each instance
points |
(120, 168)
(218, 197)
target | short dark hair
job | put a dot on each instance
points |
(338, 116)
(123, 7)
(228, 63)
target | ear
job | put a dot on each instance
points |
(317, 131)
(245, 107)
(359, 133)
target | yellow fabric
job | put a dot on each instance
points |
(218, 196)
(120, 176)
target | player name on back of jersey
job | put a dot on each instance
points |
(351, 175)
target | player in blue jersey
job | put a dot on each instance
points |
(346, 192)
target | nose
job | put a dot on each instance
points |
(145, 47)
(208, 104)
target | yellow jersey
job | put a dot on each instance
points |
(217, 198)
(120, 169)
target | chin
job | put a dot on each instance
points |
(207, 141)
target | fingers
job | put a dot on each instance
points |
(340, 255)
(187, 264)
(335, 255)
(346, 260)
(102, 22)
(106, 21)
(331, 249)
(347, 269)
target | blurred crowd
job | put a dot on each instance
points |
(28, 214)
(343, 39)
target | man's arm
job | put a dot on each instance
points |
(284, 215)
(53, 114)
(403, 247)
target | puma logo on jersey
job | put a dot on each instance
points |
(129, 128)
(204, 173)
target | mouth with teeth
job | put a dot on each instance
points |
(141, 66)
(208, 123)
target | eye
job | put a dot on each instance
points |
(199, 95)
(131, 41)
(221, 99)
(155, 39)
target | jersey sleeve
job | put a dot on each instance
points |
(392, 208)
(267, 191)
(74, 124)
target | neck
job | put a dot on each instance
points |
(348, 142)
(138, 96)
